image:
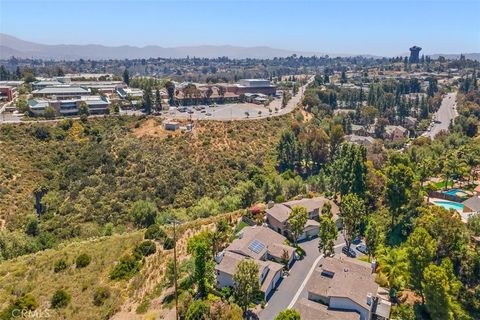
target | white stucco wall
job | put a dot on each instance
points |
(347, 304)
(224, 280)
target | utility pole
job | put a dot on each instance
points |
(175, 222)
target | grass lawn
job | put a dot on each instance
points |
(240, 226)
(441, 185)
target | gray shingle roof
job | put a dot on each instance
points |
(352, 279)
(473, 203)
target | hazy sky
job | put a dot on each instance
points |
(362, 27)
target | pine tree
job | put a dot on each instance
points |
(352, 212)
(147, 100)
(328, 232)
(126, 77)
(158, 100)
(246, 283)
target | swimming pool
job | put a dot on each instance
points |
(450, 205)
(456, 192)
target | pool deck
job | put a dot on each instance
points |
(463, 215)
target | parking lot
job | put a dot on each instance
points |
(225, 112)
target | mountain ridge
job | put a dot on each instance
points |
(13, 46)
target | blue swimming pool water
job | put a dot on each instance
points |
(450, 205)
(454, 192)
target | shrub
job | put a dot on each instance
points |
(144, 213)
(100, 295)
(108, 229)
(198, 309)
(155, 232)
(24, 302)
(125, 269)
(60, 299)
(83, 260)
(143, 307)
(168, 244)
(145, 248)
(32, 226)
(41, 133)
(288, 314)
(60, 265)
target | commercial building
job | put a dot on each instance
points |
(69, 107)
(8, 89)
(124, 92)
(61, 92)
(253, 86)
(103, 86)
(264, 246)
(6, 93)
(344, 288)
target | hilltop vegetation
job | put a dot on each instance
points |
(42, 274)
(89, 174)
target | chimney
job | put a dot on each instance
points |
(270, 204)
(219, 256)
(369, 299)
(374, 265)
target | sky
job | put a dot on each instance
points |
(387, 27)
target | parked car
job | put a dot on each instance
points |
(362, 248)
(203, 111)
(349, 252)
(208, 114)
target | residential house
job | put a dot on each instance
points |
(279, 213)
(361, 130)
(410, 122)
(395, 133)
(472, 204)
(471, 207)
(347, 285)
(361, 140)
(266, 247)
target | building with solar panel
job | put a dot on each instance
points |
(266, 247)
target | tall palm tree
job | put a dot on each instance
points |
(393, 264)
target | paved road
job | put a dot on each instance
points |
(446, 113)
(293, 287)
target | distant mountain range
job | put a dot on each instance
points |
(12, 46)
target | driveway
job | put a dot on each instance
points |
(293, 286)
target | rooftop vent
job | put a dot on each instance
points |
(270, 204)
